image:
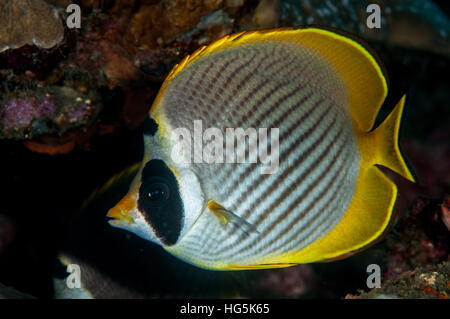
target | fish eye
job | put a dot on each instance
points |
(157, 192)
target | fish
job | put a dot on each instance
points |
(91, 266)
(325, 199)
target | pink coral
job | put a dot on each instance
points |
(27, 114)
(19, 113)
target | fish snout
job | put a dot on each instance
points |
(121, 212)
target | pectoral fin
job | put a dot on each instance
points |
(227, 217)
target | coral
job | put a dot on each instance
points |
(17, 114)
(50, 146)
(418, 240)
(29, 22)
(425, 283)
(54, 145)
(141, 27)
(46, 110)
(167, 20)
(131, 46)
(117, 65)
(36, 62)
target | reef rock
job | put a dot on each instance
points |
(29, 22)
(421, 283)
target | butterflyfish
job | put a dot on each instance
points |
(314, 193)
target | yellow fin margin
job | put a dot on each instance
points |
(365, 220)
(370, 210)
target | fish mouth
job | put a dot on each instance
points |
(120, 214)
(119, 217)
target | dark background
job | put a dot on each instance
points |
(40, 194)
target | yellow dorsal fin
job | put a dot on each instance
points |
(359, 69)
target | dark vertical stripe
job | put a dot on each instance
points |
(323, 209)
(293, 206)
(288, 189)
(261, 177)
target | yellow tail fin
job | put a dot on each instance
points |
(385, 136)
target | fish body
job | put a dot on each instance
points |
(321, 197)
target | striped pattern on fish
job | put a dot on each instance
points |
(317, 93)
(316, 143)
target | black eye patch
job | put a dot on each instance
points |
(160, 201)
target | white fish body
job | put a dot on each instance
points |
(234, 216)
